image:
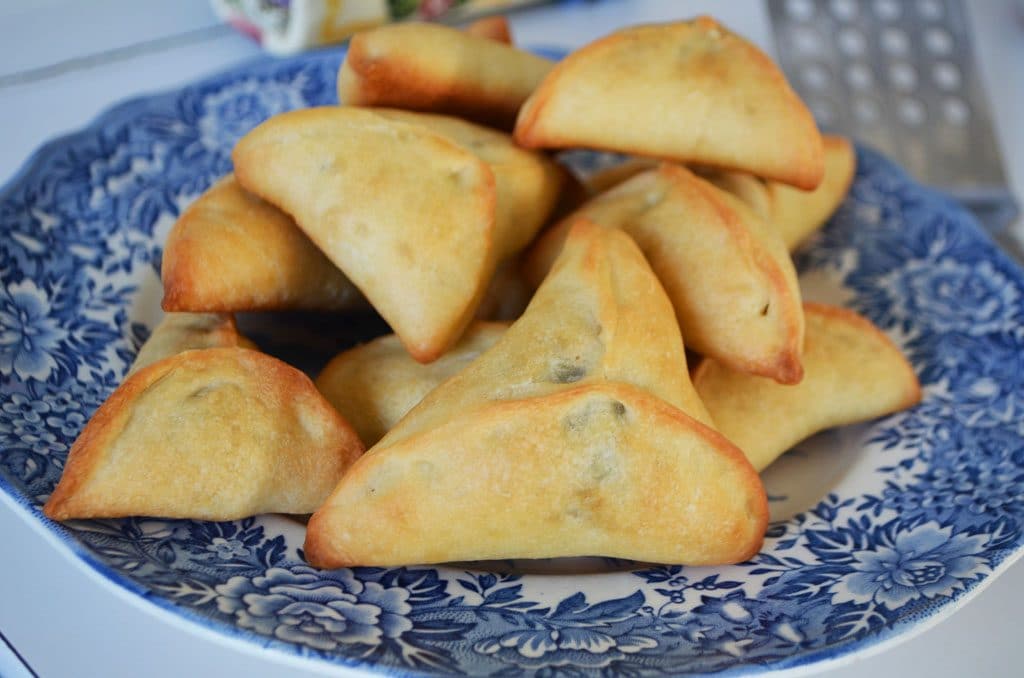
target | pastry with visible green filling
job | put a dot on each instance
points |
(577, 433)
(726, 271)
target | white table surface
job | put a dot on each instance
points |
(63, 62)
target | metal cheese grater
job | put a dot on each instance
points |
(900, 75)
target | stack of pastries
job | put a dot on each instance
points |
(535, 398)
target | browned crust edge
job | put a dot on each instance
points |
(356, 352)
(788, 367)
(805, 172)
(409, 84)
(428, 348)
(321, 553)
(107, 422)
(913, 394)
(842, 145)
(177, 270)
(181, 271)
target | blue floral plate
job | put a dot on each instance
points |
(876, 530)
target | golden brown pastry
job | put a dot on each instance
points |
(427, 67)
(729, 277)
(793, 213)
(231, 251)
(527, 183)
(209, 434)
(852, 372)
(376, 384)
(406, 213)
(565, 438)
(178, 332)
(491, 27)
(690, 91)
(748, 188)
(797, 214)
(234, 251)
(600, 315)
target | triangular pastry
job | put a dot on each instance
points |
(527, 183)
(690, 91)
(746, 187)
(852, 372)
(178, 332)
(797, 214)
(603, 316)
(375, 384)
(428, 67)
(406, 213)
(209, 434)
(793, 213)
(729, 277)
(232, 251)
(565, 438)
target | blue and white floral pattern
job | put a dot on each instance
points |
(29, 334)
(936, 504)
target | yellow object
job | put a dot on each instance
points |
(232, 251)
(852, 372)
(179, 332)
(406, 213)
(794, 213)
(690, 91)
(527, 182)
(564, 439)
(426, 67)
(797, 214)
(374, 385)
(728, 274)
(210, 434)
